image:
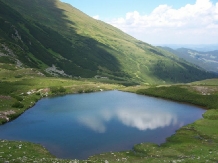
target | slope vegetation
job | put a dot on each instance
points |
(58, 39)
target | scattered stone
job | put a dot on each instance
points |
(55, 72)
(5, 114)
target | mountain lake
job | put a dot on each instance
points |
(80, 125)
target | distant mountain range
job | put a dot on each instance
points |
(206, 60)
(197, 47)
(60, 40)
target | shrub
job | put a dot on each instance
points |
(88, 91)
(17, 104)
(18, 98)
(62, 90)
(56, 90)
(18, 76)
(80, 91)
(38, 93)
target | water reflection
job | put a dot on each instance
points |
(136, 118)
(88, 124)
(93, 122)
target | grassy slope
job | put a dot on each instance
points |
(86, 47)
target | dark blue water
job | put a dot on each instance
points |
(77, 126)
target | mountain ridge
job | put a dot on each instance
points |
(50, 33)
(206, 60)
(197, 47)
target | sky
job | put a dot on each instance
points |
(158, 22)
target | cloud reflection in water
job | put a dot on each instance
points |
(94, 123)
(142, 119)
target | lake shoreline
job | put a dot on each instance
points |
(30, 105)
(95, 114)
(170, 136)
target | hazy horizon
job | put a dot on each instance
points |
(197, 47)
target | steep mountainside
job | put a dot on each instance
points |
(206, 60)
(60, 40)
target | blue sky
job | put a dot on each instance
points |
(117, 8)
(159, 21)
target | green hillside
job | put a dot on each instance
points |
(58, 39)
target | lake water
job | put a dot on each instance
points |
(77, 126)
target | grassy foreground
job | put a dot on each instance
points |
(196, 142)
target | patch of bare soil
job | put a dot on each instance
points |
(205, 90)
(5, 97)
(5, 114)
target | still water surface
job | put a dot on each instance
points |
(80, 125)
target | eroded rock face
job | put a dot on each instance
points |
(9, 53)
(16, 36)
(55, 72)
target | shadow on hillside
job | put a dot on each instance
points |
(83, 56)
(184, 73)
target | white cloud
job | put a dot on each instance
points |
(196, 23)
(96, 17)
